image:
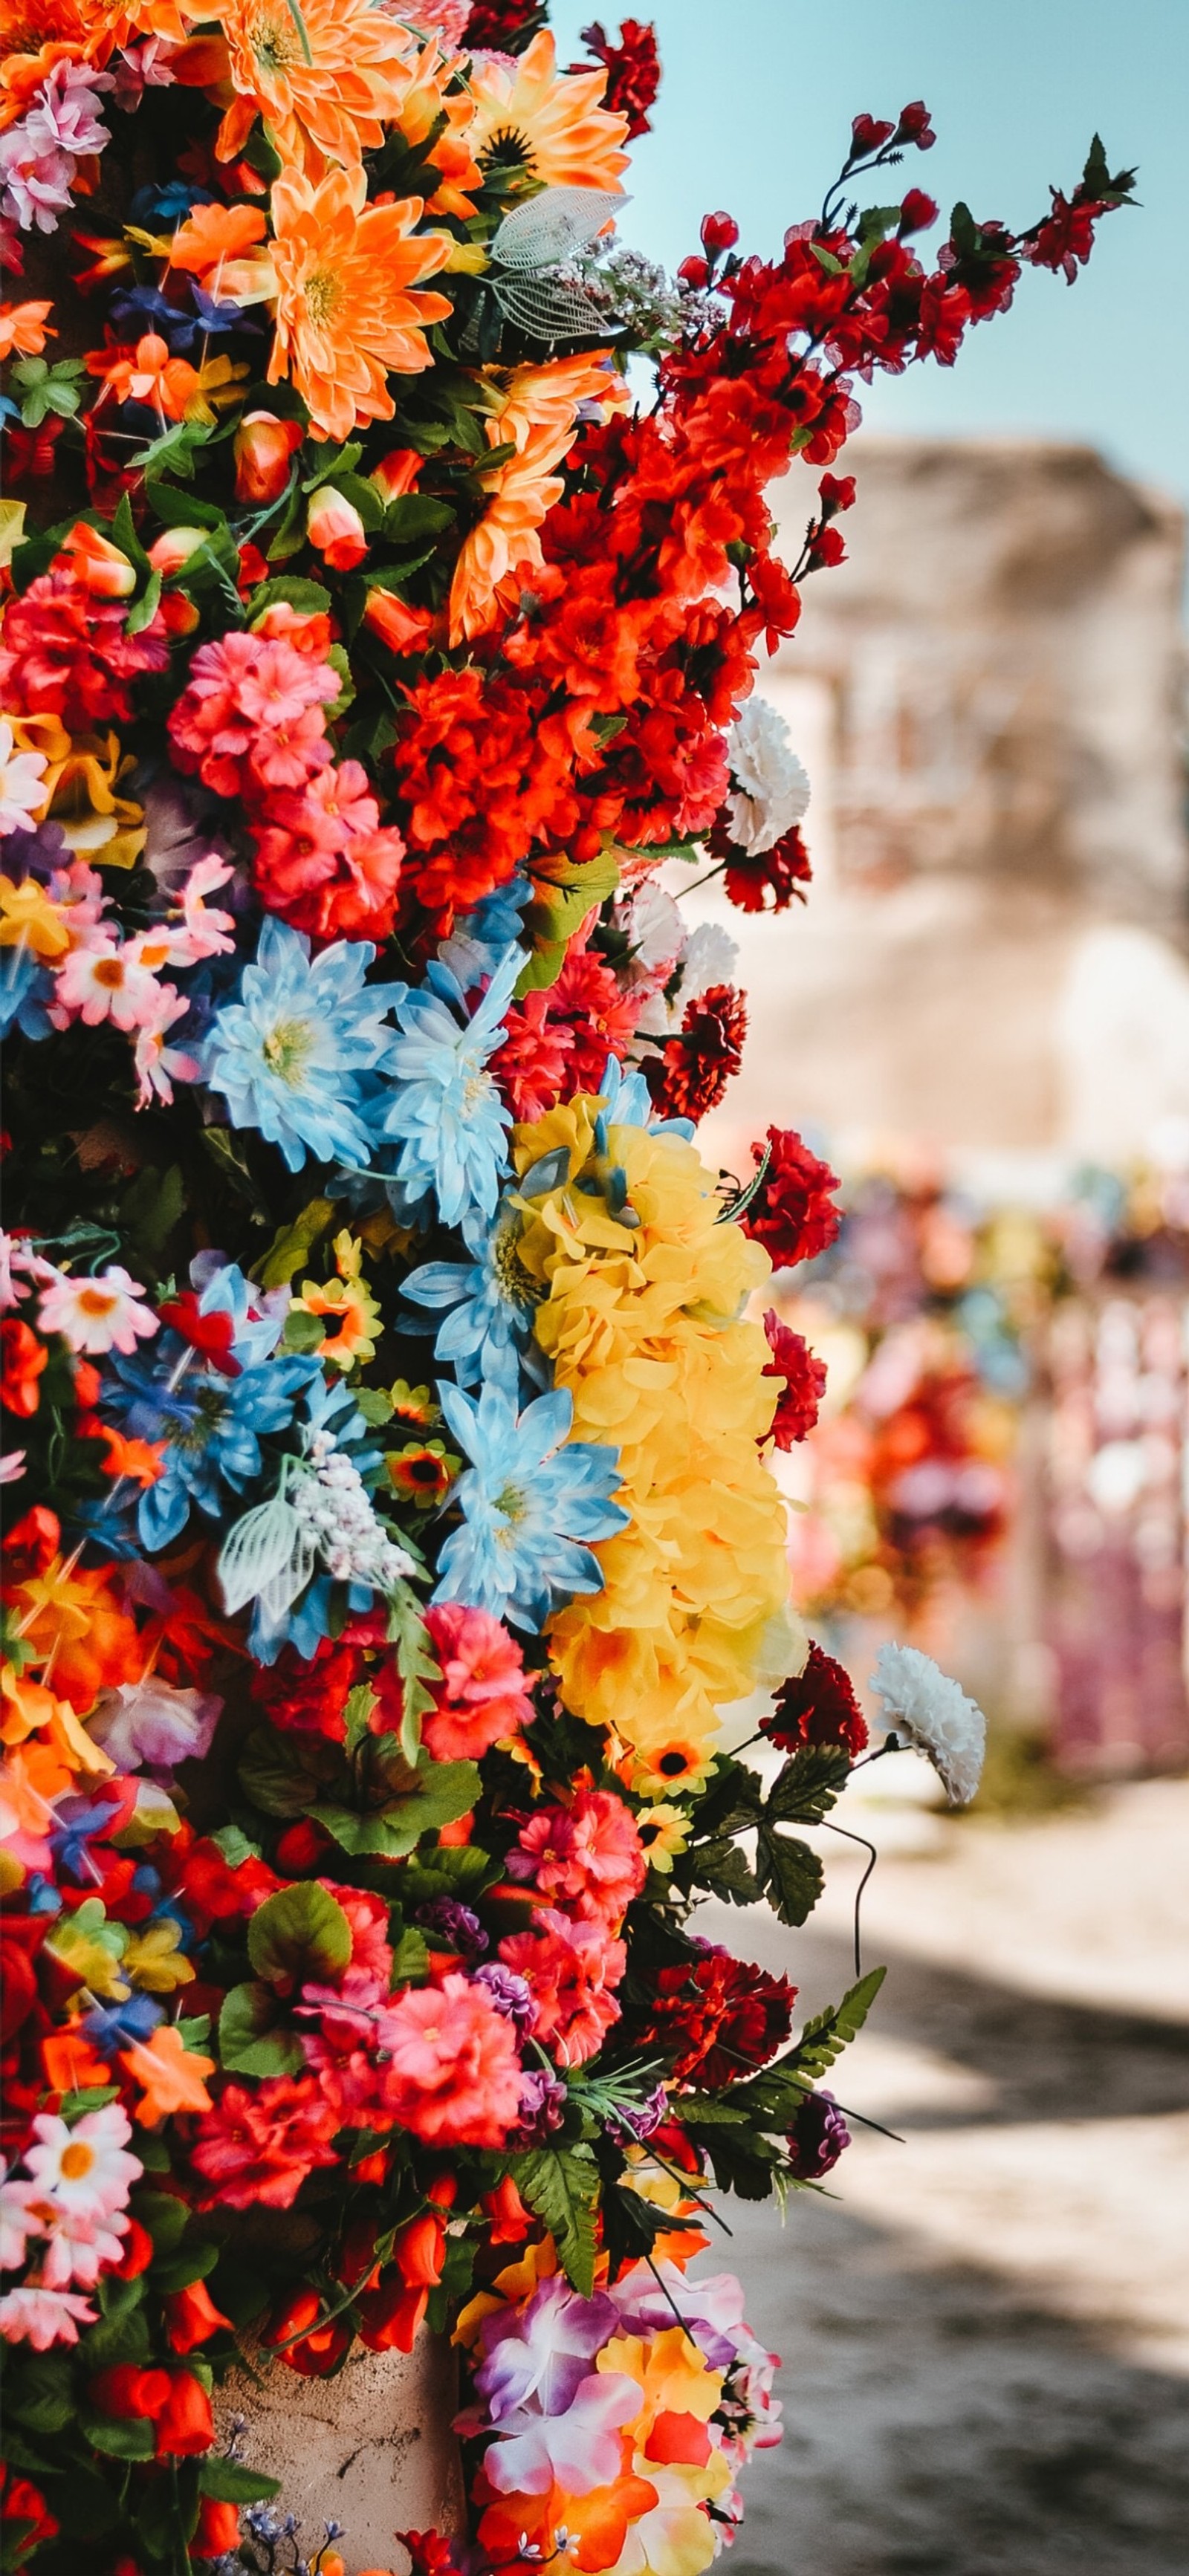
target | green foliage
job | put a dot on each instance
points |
(249, 2041)
(300, 1932)
(824, 2038)
(561, 2186)
(809, 1785)
(442, 1792)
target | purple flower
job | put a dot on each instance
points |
(817, 2137)
(460, 1927)
(511, 1995)
(639, 2120)
(542, 2107)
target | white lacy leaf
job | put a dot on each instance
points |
(550, 310)
(550, 227)
(267, 1557)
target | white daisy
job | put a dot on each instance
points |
(84, 2168)
(21, 790)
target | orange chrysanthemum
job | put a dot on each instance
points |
(539, 418)
(348, 312)
(546, 121)
(212, 234)
(326, 99)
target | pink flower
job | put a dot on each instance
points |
(252, 706)
(35, 181)
(572, 1969)
(77, 2249)
(538, 2352)
(258, 2142)
(201, 932)
(105, 982)
(43, 2317)
(154, 1061)
(154, 1724)
(587, 1857)
(97, 1315)
(481, 1697)
(453, 2072)
(65, 113)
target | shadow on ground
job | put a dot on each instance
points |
(937, 2422)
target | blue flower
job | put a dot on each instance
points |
(212, 1425)
(114, 2026)
(287, 1055)
(25, 988)
(530, 1506)
(477, 943)
(489, 1304)
(441, 1103)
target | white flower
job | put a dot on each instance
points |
(772, 788)
(926, 1709)
(651, 921)
(710, 957)
(15, 2222)
(150, 1722)
(84, 2168)
(21, 789)
(96, 1315)
(42, 2317)
(78, 2248)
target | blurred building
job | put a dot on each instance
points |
(989, 699)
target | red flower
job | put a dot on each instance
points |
(792, 1214)
(27, 2521)
(22, 1361)
(1066, 237)
(718, 2018)
(259, 2142)
(216, 2533)
(212, 1334)
(817, 1706)
(315, 2353)
(130, 2393)
(692, 1075)
(185, 2424)
(191, 2318)
(750, 879)
(71, 654)
(803, 1377)
(31, 1543)
(719, 233)
(429, 2554)
(633, 71)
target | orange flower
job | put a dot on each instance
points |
(146, 374)
(72, 1624)
(347, 309)
(142, 1460)
(212, 234)
(23, 328)
(548, 396)
(550, 123)
(425, 107)
(170, 2074)
(327, 82)
(506, 539)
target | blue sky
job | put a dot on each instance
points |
(754, 114)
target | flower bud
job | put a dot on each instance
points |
(101, 567)
(914, 126)
(719, 232)
(173, 548)
(397, 472)
(403, 629)
(334, 526)
(263, 447)
(917, 212)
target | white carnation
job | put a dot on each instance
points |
(772, 790)
(711, 957)
(928, 1710)
(651, 921)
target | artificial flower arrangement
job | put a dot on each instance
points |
(392, 1505)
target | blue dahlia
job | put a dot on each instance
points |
(531, 1503)
(439, 1102)
(288, 1054)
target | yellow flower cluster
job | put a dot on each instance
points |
(645, 1324)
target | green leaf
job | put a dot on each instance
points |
(144, 609)
(44, 2401)
(186, 2269)
(235, 1846)
(417, 1665)
(164, 2217)
(249, 2042)
(123, 534)
(724, 1870)
(233, 2482)
(130, 2438)
(182, 509)
(444, 1791)
(788, 1874)
(300, 1932)
(410, 1958)
(414, 516)
(308, 597)
(824, 2038)
(561, 2186)
(334, 461)
(809, 1785)
(283, 1774)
